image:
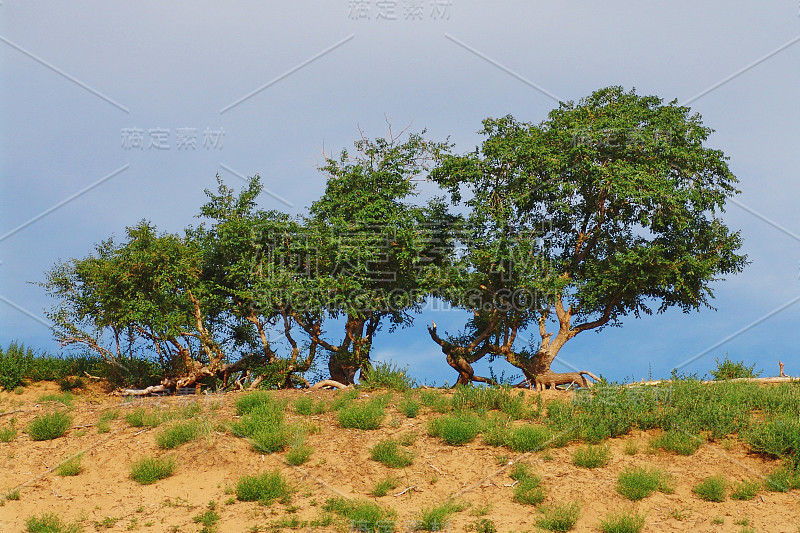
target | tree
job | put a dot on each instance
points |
(259, 261)
(150, 289)
(601, 210)
(376, 250)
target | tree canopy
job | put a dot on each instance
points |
(610, 207)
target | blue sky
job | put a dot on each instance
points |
(264, 87)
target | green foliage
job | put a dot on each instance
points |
(383, 486)
(13, 495)
(746, 490)
(49, 426)
(436, 517)
(368, 415)
(409, 406)
(483, 525)
(64, 398)
(559, 517)
(490, 398)
(386, 376)
(307, 406)
(783, 479)
(363, 516)
(177, 434)
(622, 522)
(455, 430)
(298, 453)
(677, 441)
(727, 369)
(8, 434)
(148, 470)
(344, 398)
(13, 365)
(779, 436)
(50, 523)
(389, 453)
(436, 401)
(638, 483)
(208, 519)
(529, 438)
(260, 401)
(712, 489)
(71, 467)
(264, 488)
(591, 456)
(528, 489)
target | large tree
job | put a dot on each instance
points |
(376, 248)
(609, 207)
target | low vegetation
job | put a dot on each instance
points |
(50, 523)
(389, 453)
(361, 515)
(591, 456)
(436, 517)
(622, 522)
(264, 488)
(561, 517)
(528, 488)
(70, 467)
(712, 489)
(639, 483)
(49, 426)
(148, 470)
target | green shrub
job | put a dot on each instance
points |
(71, 467)
(344, 398)
(50, 523)
(591, 456)
(14, 363)
(529, 438)
(148, 470)
(367, 415)
(298, 454)
(782, 479)
(70, 383)
(8, 434)
(264, 488)
(306, 406)
(712, 489)
(436, 401)
(436, 517)
(495, 431)
(779, 436)
(270, 440)
(622, 522)
(528, 488)
(363, 516)
(386, 376)
(455, 430)
(261, 401)
(409, 407)
(746, 490)
(559, 517)
(727, 369)
(490, 398)
(13, 495)
(677, 441)
(383, 487)
(638, 483)
(49, 426)
(389, 453)
(178, 434)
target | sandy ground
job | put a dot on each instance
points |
(103, 497)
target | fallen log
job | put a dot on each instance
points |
(329, 384)
(142, 392)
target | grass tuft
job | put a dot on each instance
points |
(436, 518)
(50, 523)
(528, 489)
(177, 434)
(746, 490)
(363, 516)
(712, 489)
(529, 438)
(367, 415)
(50, 426)
(387, 376)
(455, 430)
(677, 441)
(591, 456)
(298, 454)
(383, 486)
(8, 434)
(559, 517)
(389, 453)
(264, 488)
(638, 483)
(71, 467)
(148, 470)
(622, 522)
